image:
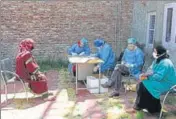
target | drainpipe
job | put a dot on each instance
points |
(119, 24)
(116, 21)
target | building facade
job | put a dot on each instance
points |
(154, 22)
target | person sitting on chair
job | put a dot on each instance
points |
(28, 69)
(78, 49)
(132, 62)
(105, 53)
(159, 79)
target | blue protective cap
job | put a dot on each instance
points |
(99, 42)
(132, 41)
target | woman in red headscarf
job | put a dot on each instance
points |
(28, 69)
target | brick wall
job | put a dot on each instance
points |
(55, 25)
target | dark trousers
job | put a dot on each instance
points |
(145, 100)
(116, 77)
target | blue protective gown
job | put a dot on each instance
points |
(163, 78)
(107, 55)
(135, 57)
(76, 49)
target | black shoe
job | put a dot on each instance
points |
(114, 94)
(74, 73)
(105, 85)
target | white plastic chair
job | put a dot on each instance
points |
(9, 77)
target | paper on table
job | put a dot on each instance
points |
(78, 59)
(93, 61)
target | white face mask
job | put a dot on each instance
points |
(155, 55)
(131, 46)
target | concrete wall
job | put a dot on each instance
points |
(55, 25)
(140, 22)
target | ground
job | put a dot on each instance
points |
(64, 104)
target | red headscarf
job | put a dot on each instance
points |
(26, 45)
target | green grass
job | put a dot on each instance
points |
(124, 116)
(48, 64)
(140, 115)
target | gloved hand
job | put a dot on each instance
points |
(130, 65)
(122, 62)
(93, 55)
(74, 54)
(116, 67)
(82, 53)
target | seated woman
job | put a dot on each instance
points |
(155, 82)
(106, 53)
(28, 69)
(78, 49)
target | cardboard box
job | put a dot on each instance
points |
(93, 82)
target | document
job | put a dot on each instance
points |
(83, 59)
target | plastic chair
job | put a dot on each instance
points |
(9, 77)
(171, 90)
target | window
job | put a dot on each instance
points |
(169, 24)
(151, 28)
(169, 29)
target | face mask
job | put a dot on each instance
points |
(155, 55)
(131, 46)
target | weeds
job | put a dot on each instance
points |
(48, 64)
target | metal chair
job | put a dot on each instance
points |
(130, 79)
(171, 90)
(9, 77)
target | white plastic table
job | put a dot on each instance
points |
(79, 61)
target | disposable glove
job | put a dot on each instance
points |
(130, 65)
(93, 55)
(122, 62)
(82, 53)
(74, 54)
(117, 66)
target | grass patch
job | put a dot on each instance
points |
(110, 103)
(140, 115)
(124, 116)
(48, 64)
